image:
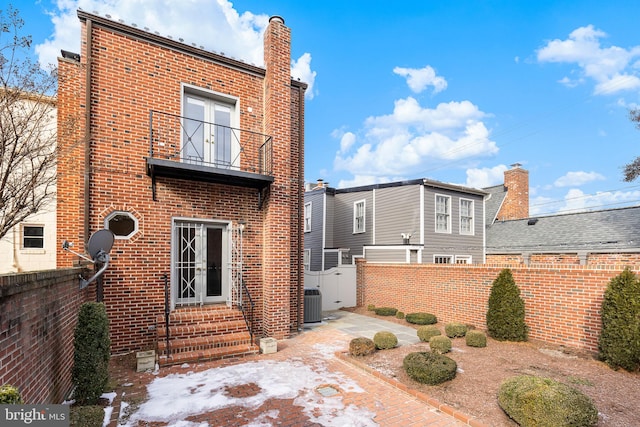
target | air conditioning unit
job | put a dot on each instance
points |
(312, 306)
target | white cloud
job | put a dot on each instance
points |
(611, 68)
(575, 200)
(419, 79)
(485, 177)
(214, 25)
(301, 69)
(413, 137)
(576, 179)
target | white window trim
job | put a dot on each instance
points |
(364, 216)
(307, 229)
(307, 259)
(130, 215)
(466, 258)
(451, 258)
(448, 230)
(22, 236)
(472, 212)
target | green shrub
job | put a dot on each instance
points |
(535, 401)
(91, 353)
(371, 307)
(86, 416)
(385, 340)
(385, 311)
(505, 315)
(400, 315)
(475, 338)
(421, 318)
(425, 332)
(440, 344)
(9, 395)
(361, 346)
(429, 368)
(619, 343)
(455, 329)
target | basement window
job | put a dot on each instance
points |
(122, 224)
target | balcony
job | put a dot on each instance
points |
(185, 148)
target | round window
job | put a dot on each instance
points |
(122, 224)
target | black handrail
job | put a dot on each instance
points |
(167, 312)
(248, 317)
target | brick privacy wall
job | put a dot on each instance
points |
(545, 260)
(562, 303)
(129, 78)
(516, 204)
(38, 315)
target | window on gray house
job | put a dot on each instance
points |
(466, 216)
(443, 214)
(359, 216)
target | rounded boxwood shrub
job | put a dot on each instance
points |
(455, 329)
(92, 346)
(385, 311)
(425, 332)
(475, 338)
(429, 368)
(9, 395)
(440, 344)
(534, 401)
(400, 315)
(505, 315)
(619, 342)
(371, 307)
(385, 340)
(361, 346)
(421, 318)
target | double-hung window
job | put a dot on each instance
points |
(307, 217)
(359, 217)
(466, 216)
(443, 214)
(32, 237)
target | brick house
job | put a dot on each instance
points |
(195, 162)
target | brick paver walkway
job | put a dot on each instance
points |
(382, 401)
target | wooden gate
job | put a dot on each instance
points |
(337, 286)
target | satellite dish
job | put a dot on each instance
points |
(100, 243)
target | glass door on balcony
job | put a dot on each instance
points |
(200, 261)
(207, 135)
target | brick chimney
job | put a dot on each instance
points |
(516, 202)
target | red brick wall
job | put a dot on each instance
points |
(38, 315)
(129, 78)
(562, 303)
(551, 260)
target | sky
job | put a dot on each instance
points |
(450, 91)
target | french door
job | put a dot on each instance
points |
(207, 134)
(200, 262)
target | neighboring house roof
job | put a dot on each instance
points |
(419, 181)
(593, 231)
(494, 202)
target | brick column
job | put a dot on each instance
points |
(278, 229)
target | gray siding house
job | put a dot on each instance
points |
(414, 221)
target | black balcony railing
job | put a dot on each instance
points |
(186, 148)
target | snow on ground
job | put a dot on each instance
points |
(176, 397)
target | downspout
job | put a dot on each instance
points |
(87, 133)
(300, 202)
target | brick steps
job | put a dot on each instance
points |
(203, 333)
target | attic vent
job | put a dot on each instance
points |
(532, 221)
